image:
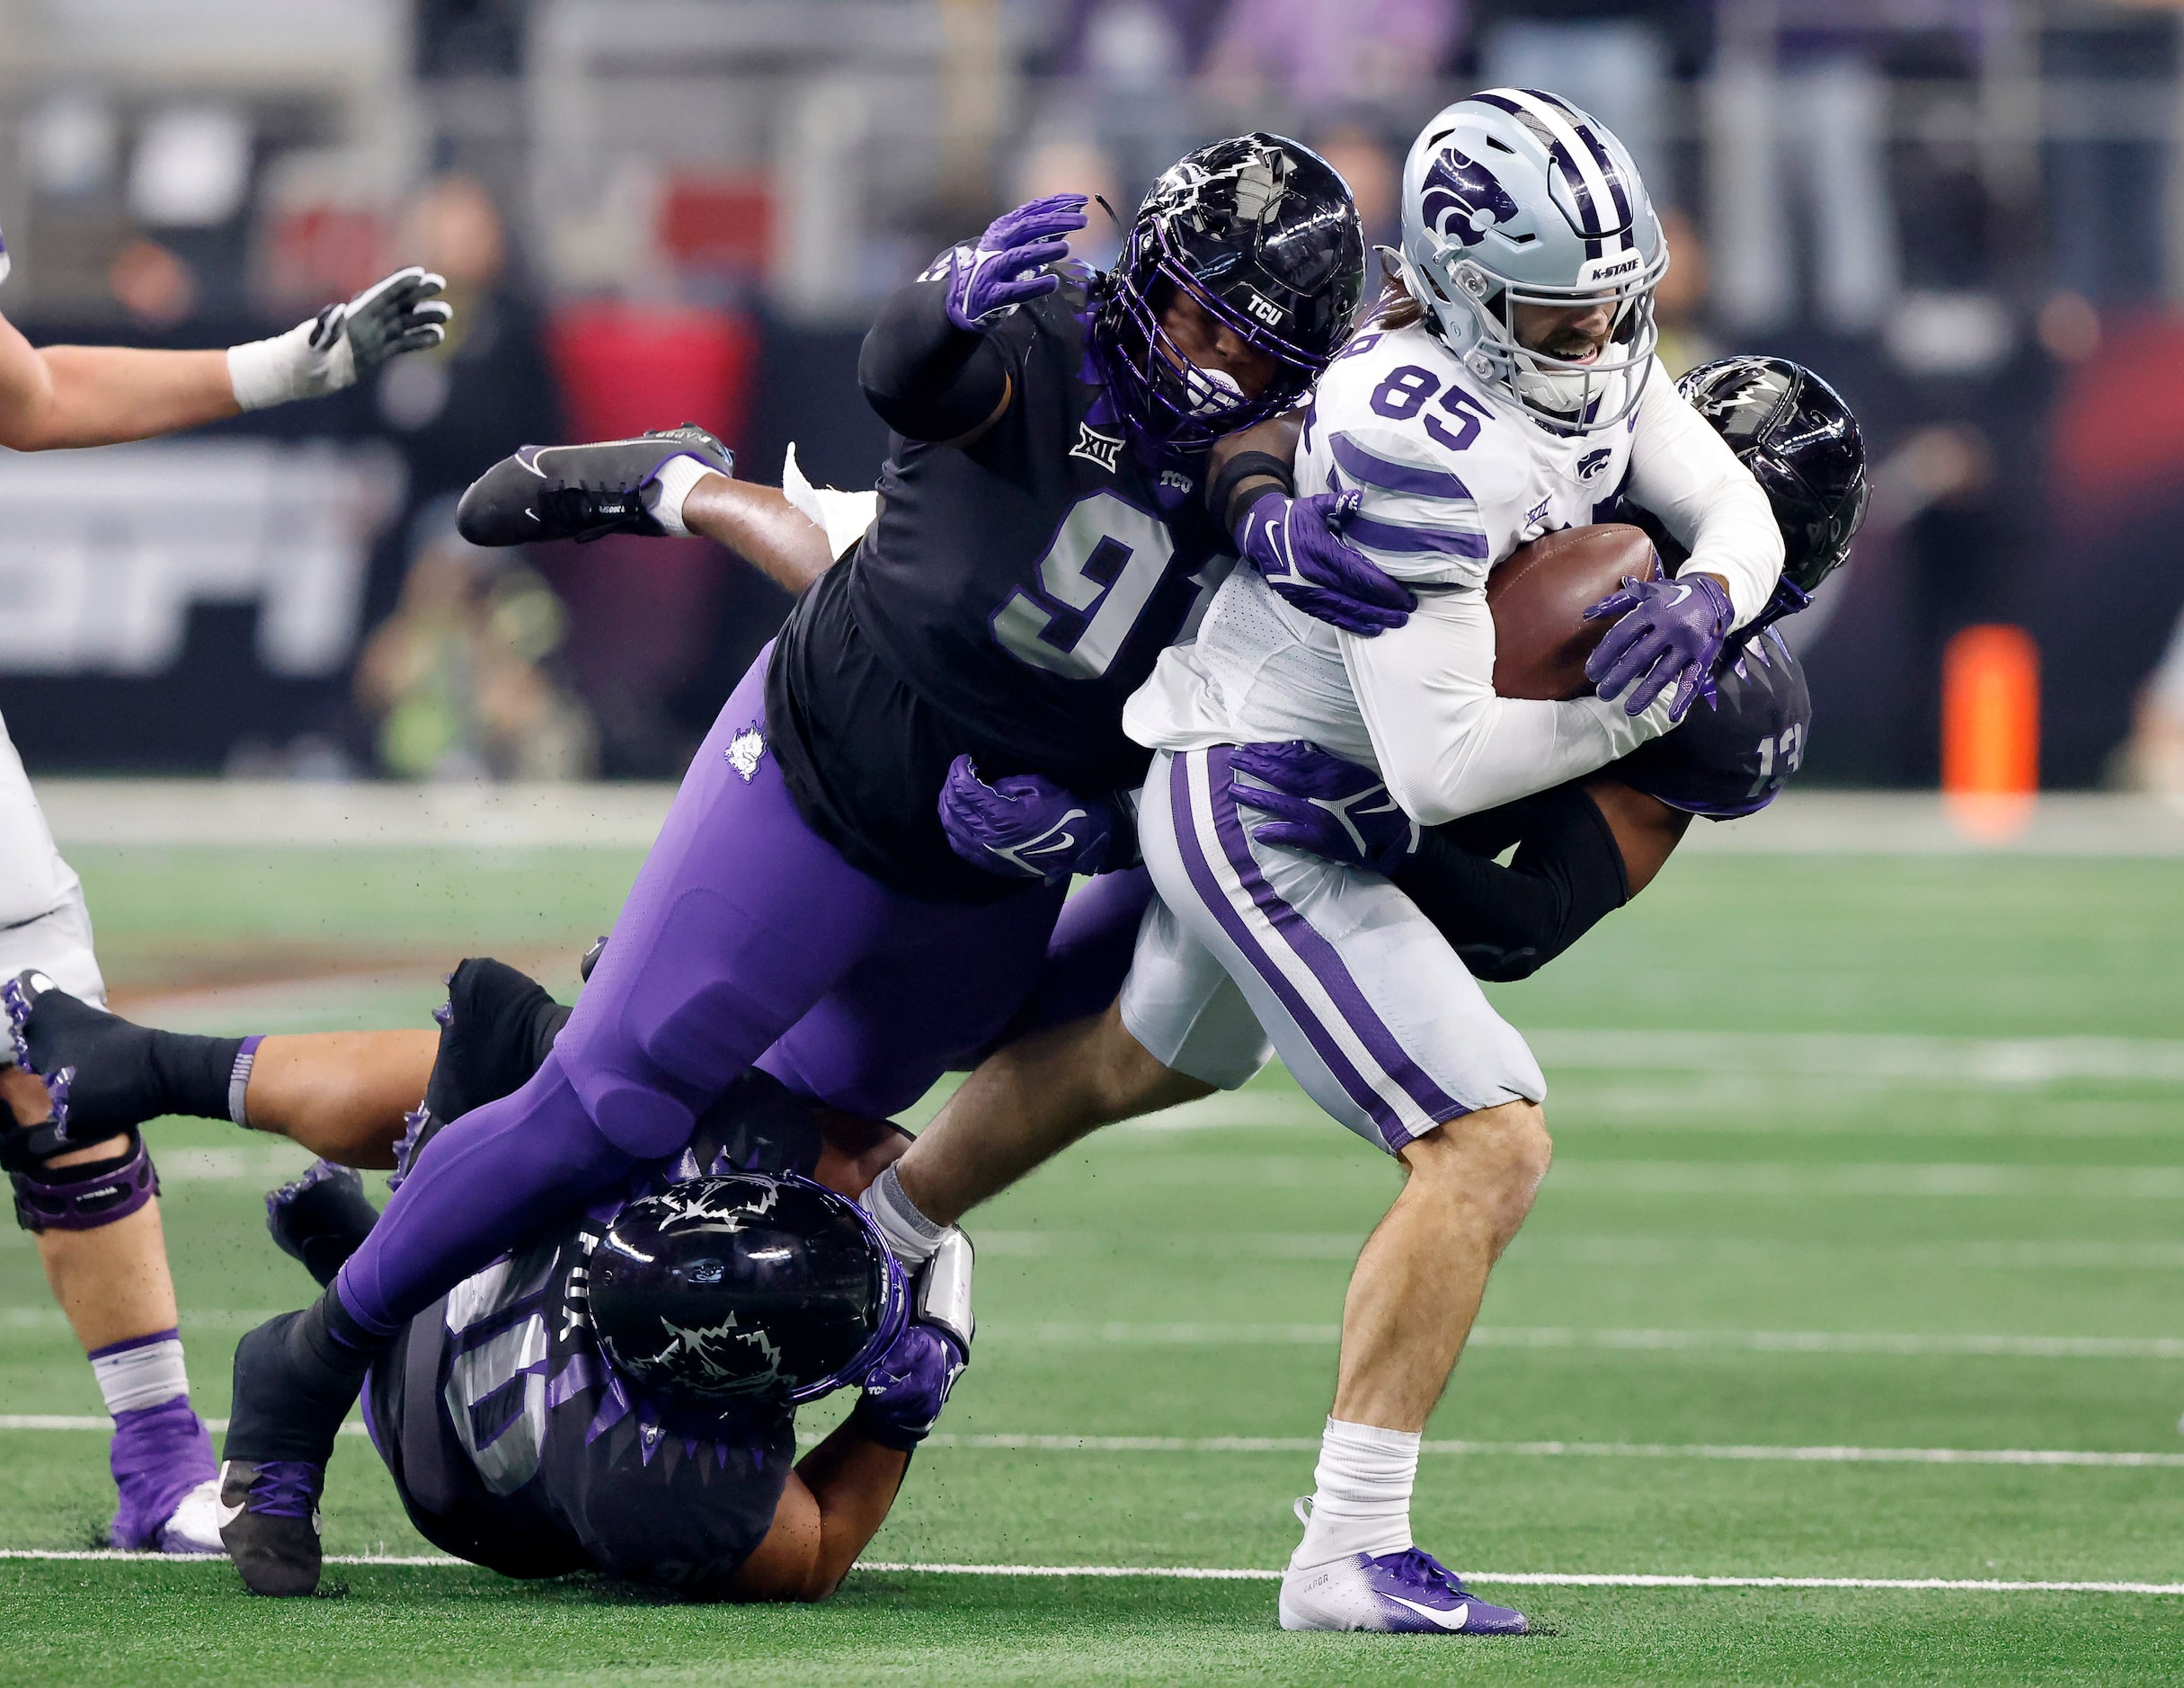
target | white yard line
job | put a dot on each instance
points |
(1823, 1454)
(1915, 1345)
(1820, 1455)
(1209, 1335)
(1254, 1574)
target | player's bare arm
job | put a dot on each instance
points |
(59, 396)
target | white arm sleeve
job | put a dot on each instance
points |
(1446, 745)
(1684, 472)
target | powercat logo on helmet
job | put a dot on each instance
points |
(1462, 200)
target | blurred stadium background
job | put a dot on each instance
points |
(1969, 214)
(1859, 1255)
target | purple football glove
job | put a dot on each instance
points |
(1296, 544)
(1669, 632)
(906, 1390)
(1023, 826)
(986, 280)
(1325, 806)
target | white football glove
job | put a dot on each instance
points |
(400, 313)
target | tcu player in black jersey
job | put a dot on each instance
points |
(619, 1393)
(1042, 537)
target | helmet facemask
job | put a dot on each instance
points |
(1473, 313)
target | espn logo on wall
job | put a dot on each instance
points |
(104, 554)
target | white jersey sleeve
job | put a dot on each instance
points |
(1684, 472)
(1446, 743)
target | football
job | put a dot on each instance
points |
(1539, 598)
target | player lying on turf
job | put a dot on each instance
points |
(95, 1217)
(619, 1393)
(1507, 389)
(1041, 538)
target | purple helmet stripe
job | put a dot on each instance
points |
(1210, 893)
(1608, 169)
(1581, 192)
(1390, 475)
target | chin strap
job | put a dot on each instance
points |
(79, 1197)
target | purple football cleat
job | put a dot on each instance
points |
(163, 1474)
(1410, 1593)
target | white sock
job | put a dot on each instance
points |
(1362, 1501)
(909, 1233)
(145, 1372)
(670, 487)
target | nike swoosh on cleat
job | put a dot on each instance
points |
(1450, 1620)
(224, 1514)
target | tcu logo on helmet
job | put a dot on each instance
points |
(1460, 185)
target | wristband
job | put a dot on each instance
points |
(1241, 467)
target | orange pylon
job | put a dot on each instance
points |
(1991, 731)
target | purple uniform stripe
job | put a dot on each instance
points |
(1210, 893)
(1387, 473)
(1319, 956)
(1386, 536)
(1316, 954)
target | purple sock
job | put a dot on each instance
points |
(160, 1453)
(493, 1179)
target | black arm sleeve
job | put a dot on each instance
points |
(928, 379)
(1508, 922)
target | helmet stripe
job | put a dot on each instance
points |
(1608, 169)
(1593, 187)
(1557, 150)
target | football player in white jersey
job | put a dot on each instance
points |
(1507, 389)
(93, 1205)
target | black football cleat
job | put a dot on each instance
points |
(580, 493)
(497, 1028)
(269, 1523)
(321, 1218)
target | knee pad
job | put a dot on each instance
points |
(80, 1197)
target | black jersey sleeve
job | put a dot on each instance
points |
(928, 379)
(1508, 922)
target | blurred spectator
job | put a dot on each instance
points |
(2104, 189)
(457, 678)
(153, 286)
(1314, 56)
(487, 389)
(1373, 165)
(1604, 57)
(1679, 302)
(1075, 163)
(2154, 758)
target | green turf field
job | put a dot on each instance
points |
(1817, 1231)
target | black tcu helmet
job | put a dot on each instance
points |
(1802, 444)
(1733, 758)
(745, 1286)
(1264, 234)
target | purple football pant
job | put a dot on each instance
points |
(746, 935)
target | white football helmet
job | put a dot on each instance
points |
(1516, 197)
